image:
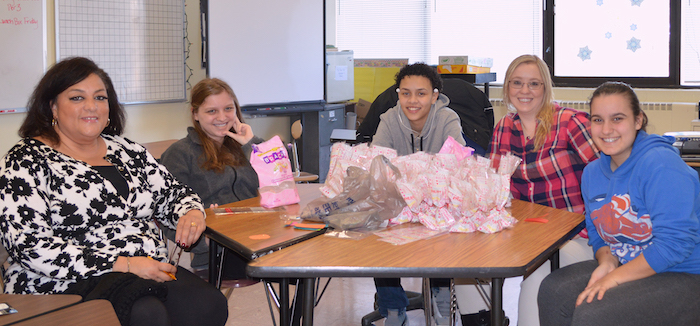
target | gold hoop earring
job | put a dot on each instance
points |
(53, 122)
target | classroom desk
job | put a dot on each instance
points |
(509, 253)
(29, 305)
(89, 313)
(235, 231)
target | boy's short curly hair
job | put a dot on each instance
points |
(420, 69)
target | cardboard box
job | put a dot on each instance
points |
(452, 69)
(462, 69)
(361, 109)
(453, 60)
(480, 62)
(477, 69)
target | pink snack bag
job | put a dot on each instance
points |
(270, 161)
(451, 146)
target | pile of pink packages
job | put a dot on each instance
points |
(452, 190)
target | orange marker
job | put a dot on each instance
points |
(169, 273)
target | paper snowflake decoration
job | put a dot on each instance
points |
(633, 44)
(599, 2)
(637, 3)
(608, 35)
(633, 27)
(584, 53)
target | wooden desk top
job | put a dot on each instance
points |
(512, 252)
(90, 313)
(29, 305)
(230, 231)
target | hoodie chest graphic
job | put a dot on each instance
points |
(617, 222)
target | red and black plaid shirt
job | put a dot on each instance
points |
(550, 176)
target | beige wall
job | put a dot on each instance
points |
(150, 122)
(679, 117)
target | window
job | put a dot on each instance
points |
(642, 42)
(384, 29)
(650, 42)
(690, 44)
(422, 30)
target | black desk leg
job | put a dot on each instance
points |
(497, 317)
(309, 298)
(213, 263)
(284, 302)
(554, 261)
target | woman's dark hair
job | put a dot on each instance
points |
(420, 69)
(231, 152)
(614, 87)
(59, 78)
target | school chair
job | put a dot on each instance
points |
(3, 258)
(299, 176)
(157, 148)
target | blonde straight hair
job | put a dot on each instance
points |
(546, 112)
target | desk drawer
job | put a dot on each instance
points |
(324, 162)
(329, 120)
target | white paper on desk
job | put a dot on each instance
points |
(341, 72)
(399, 236)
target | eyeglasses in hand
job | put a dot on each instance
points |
(174, 257)
(533, 85)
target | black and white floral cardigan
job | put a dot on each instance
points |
(62, 221)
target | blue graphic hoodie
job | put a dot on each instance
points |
(650, 204)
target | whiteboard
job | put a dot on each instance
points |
(23, 54)
(139, 43)
(269, 51)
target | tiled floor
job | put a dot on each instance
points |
(345, 301)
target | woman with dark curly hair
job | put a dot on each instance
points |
(80, 205)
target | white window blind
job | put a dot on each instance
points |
(384, 29)
(690, 43)
(422, 30)
(498, 29)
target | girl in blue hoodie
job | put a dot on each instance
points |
(642, 214)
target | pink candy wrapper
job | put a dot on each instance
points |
(270, 161)
(452, 190)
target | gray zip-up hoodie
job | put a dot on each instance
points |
(184, 160)
(394, 130)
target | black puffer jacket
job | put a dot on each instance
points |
(470, 103)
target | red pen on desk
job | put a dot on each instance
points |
(169, 273)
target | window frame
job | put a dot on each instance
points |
(672, 81)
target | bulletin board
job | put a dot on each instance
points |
(23, 54)
(139, 43)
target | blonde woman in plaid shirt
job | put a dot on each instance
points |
(555, 145)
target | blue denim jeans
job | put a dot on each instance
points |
(390, 295)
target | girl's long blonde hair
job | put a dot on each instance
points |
(546, 112)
